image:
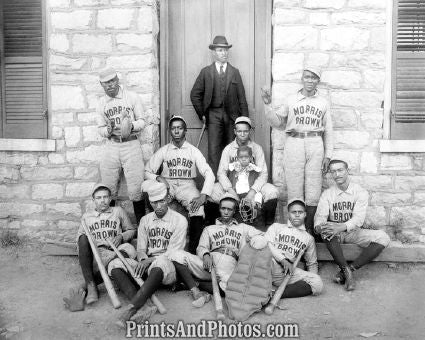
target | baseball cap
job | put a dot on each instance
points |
(229, 195)
(107, 74)
(98, 186)
(156, 190)
(176, 117)
(243, 119)
(296, 201)
(315, 69)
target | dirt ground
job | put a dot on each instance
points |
(389, 303)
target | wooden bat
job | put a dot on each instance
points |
(155, 300)
(216, 294)
(278, 294)
(108, 284)
(201, 134)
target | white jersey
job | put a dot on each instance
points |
(159, 236)
(339, 206)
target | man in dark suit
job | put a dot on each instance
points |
(218, 97)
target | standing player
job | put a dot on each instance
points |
(160, 232)
(285, 243)
(340, 216)
(307, 121)
(180, 162)
(218, 97)
(269, 192)
(120, 119)
(103, 222)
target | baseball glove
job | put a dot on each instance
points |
(126, 126)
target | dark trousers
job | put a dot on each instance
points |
(220, 133)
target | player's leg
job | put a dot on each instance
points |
(303, 283)
(215, 138)
(212, 210)
(294, 164)
(110, 168)
(118, 271)
(85, 257)
(133, 165)
(270, 193)
(224, 266)
(313, 179)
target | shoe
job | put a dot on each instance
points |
(339, 277)
(350, 284)
(92, 294)
(201, 299)
(126, 316)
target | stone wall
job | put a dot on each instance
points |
(44, 194)
(346, 38)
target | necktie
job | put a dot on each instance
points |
(221, 70)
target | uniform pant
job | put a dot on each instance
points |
(129, 157)
(302, 161)
(220, 133)
(268, 191)
(224, 265)
(184, 191)
(313, 280)
(364, 237)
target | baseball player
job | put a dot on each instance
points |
(219, 246)
(269, 192)
(180, 162)
(160, 232)
(285, 242)
(307, 121)
(103, 222)
(340, 217)
(120, 119)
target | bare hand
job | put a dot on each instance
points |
(325, 165)
(196, 203)
(250, 197)
(288, 267)
(142, 266)
(208, 262)
(117, 240)
(204, 120)
(331, 229)
(266, 94)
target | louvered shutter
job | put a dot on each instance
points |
(23, 71)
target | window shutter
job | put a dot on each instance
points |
(410, 62)
(23, 70)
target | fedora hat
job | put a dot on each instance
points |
(219, 41)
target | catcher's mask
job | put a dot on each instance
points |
(247, 210)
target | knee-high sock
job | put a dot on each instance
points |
(297, 289)
(139, 209)
(196, 226)
(212, 212)
(85, 256)
(368, 254)
(309, 219)
(124, 282)
(206, 286)
(149, 287)
(184, 275)
(335, 249)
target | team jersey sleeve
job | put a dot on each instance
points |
(154, 164)
(310, 256)
(260, 161)
(205, 170)
(178, 239)
(328, 134)
(222, 169)
(139, 113)
(359, 211)
(128, 230)
(102, 120)
(276, 118)
(322, 212)
(142, 239)
(204, 245)
(270, 236)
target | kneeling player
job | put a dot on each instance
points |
(285, 242)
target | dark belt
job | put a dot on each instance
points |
(227, 251)
(305, 134)
(119, 139)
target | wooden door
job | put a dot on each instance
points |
(187, 28)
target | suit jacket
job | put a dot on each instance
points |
(234, 102)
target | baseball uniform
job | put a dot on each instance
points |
(285, 242)
(179, 168)
(307, 122)
(122, 153)
(349, 207)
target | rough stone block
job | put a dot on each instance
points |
(115, 18)
(358, 17)
(76, 78)
(359, 99)
(145, 19)
(79, 189)
(342, 79)
(351, 139)
(90, 154)
(142, 80)
(351, 157)
(131, 41)
(88, 43)
(55, 158)
(319, 19)
(14, 191)
(378, 39)
(419, 198)
(374, 79)
(94, 3)
(75, 20)
(281, 90)
(72, 136)
(68, 225)
(409, 183)
(46, 173)
(18, 158)
(92, 103)
(12, 209)
(319, 4)
(91, 134)
(86, 173)
(317, 59)
(87, 117)
(407, 217)
(9, 174)
(286, 3)
(59, 3)
(376, 217)
(380, 182)
(390, 199)
(396, 162)
(65, 97)
(289, 16)
(287, 66)
(295, 37)
(58, 62)
(375, 4)
(57, 132)
(59, 42)
(68, 209)
(62, 118)
(43, 160)
(369, 162)
(342, 118)
(130, 61)
(372, 119)
(344, 39)
(361, 60)
(47, 191)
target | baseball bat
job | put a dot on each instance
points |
(108, 284)
(201, 134)
(279, 292)
(216, 294)
(155, 300)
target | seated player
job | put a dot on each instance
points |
(159, 233)
(285, 242)
(339, 219)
